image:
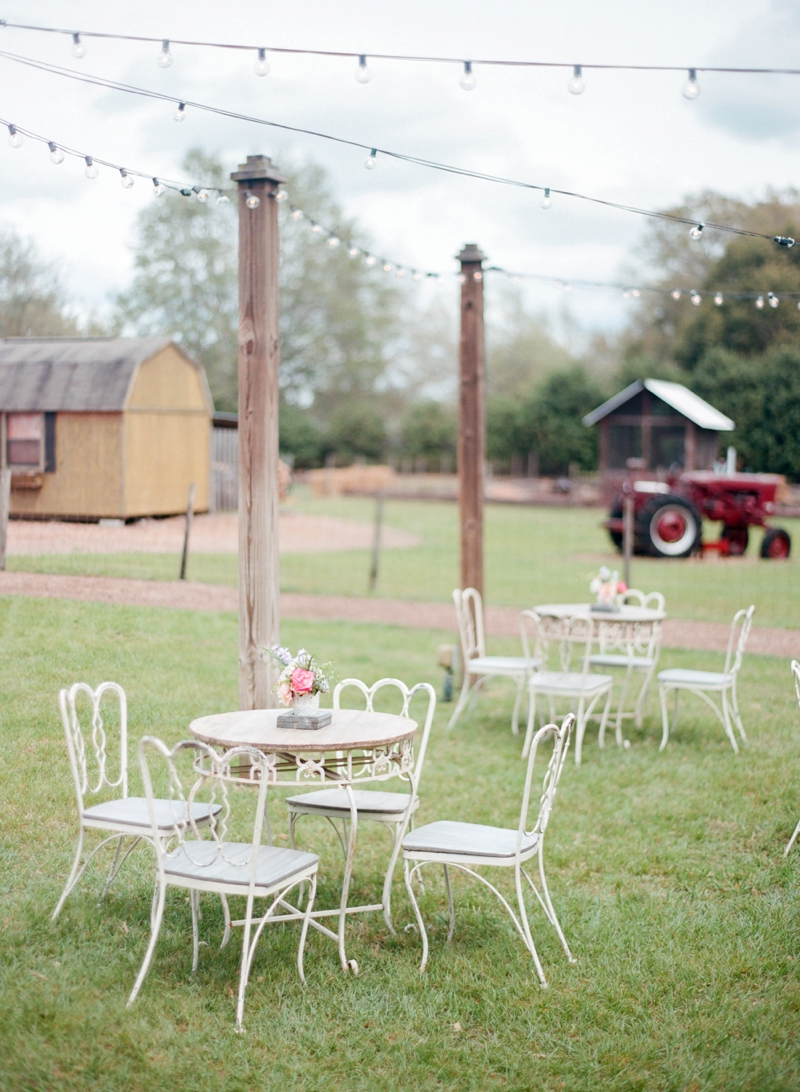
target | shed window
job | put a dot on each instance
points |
(25, 435)
(624, 442)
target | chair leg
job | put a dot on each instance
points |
(73, 876)
(151, 947)
(551, 911)
(526, 746)
(312, 894)
(736, 715)
(580, 728)
(461, 704)
(517, 704)
(642, 699)
(726, 720)
(386, 897)
(526, 929)
(409, 876)
(662, 695)
(450, 907)
(792, 840)
(194, 899)
(226, 914)
(604, 722)
(623, 691)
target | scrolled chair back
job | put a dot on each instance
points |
(796, 677)
(98, 760)
(469, 614)
(742, 621)
(553, 642)
(560, 737)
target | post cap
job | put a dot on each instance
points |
(256, 168)
(471, 253)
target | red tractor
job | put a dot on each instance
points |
(668, 516)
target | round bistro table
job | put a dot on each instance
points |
(626, 613)
(357, 747)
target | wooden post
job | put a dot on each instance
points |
(5, 505)
(187, 530)
(471, 423)
(376, 543)
(627, 537)
(259, 357)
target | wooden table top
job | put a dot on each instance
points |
(626, 613)
(349, 730)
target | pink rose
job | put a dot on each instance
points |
(302, 681)
(284, 693)
(622, 587)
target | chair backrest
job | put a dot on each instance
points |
(195, 782)
(628, 638)
(469, 615)
(553, 642)
(653, 600)
(742, 621)
(406, 695)
(99, 760)
(560, 737)
(796, 677)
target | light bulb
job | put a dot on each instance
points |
(461, 278)
(353, 251)
(371, 162)
(180, 113)
(773, 299)
(165, 57)
(78, 48)
(546, 200)
(516, 280)
(798, 305)
(223, 199)
(333, 242)
(281, 195)
(697, 299)
(315, 228)
(468, 78)
(14, 137)
(251, 200)
(56, 155)
(576, 86)
(719, 299)
(401, 272)
(125, 180)
(416, 276)
(202, 195)
(760, 302)
(370, 260)
(297, 214)
(158, 189)
(626, 295)
(478, 276)
(696, 232)
(636, 293)
(567, 287)
(676, 293)
(387, 267)
(261, 67)
(91, 170)
(691, 89)
(363, 74)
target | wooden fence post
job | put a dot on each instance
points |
(187, 530)
(259, 357)
(471, 422)
(5, 505)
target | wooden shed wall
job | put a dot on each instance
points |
(88, 477)
(167, 437)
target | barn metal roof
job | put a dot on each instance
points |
(90, 374)
(683, 400)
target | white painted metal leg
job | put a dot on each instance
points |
(531, 722)
(461, 704)
(409, 878)
(517, 704)
(525, 928)
(792, 840)
(348, 872)
(386, 897)
(450, 907)
(194, 899)
(551, 912)
(73, 876)
(312, 894)
(226, 936)
(662, 695)
(151, 947)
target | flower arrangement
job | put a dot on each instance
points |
(301, 676)
(606, 586)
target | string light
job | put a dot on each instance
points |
(315, 228)
(281, 196)
(333, 241)
(353, 251)
(371, 162)
(261, 66)
(158, 189)
(165, 57)
(78, 48)
(297, 214)
(719, 299)
(125, 179)
(676, 293)
(91, 171)
(202, 194)
(576, 85)
(760, 303)
(180, 113)
(468, 77)
(370, 260)
(696, 298)
(223, 199)
(14, 137)
(363, 74)
(546, 200)
(691, 89)
(56, 155)
(387, 267)
(251, 200)
(773, 299)
(697, 232)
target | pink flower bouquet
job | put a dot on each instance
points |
(301, 675)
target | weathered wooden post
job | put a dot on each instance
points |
(471, 423)
(259, 358)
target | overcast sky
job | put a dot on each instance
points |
(630, 137)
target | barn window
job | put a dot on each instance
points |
(24, 440)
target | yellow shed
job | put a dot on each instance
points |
(103, 427)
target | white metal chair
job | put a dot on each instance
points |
(93, 774)
(477, 667)
(796, 677)
(715, 682)
(630, 648)
(583, 688)
(467, 846)
(395, 810)
(200, 858)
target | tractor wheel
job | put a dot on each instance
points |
(776, 544)
(738, 538)
(616, 536)
(669, 526)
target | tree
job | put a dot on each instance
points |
(32, 296)
(430, 432)
(520, 348)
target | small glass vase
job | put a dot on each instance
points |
(305, 703)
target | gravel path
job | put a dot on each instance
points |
(500, 621)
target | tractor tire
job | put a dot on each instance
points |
(616, 536)
(776, 544)
(668, 526)
(738, 539)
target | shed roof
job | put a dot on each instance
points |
(90, 374)
(686, 402)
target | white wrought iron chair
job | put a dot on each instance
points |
(715, 682)
(200, 858)
(467, 846)
(562, 637)
(395, 810)
(796, 677)
(93, 774)
(634, 647)
(476, 666)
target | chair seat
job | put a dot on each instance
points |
(568, 681)
(229, 863)
(367, 802)
(133, 812)
(466, 839)
(500, 665)
(602, 659)
(678, 676)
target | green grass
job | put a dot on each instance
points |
(667, 872)
(533, 555)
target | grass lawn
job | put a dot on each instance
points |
(533, 555)
(666, 870)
